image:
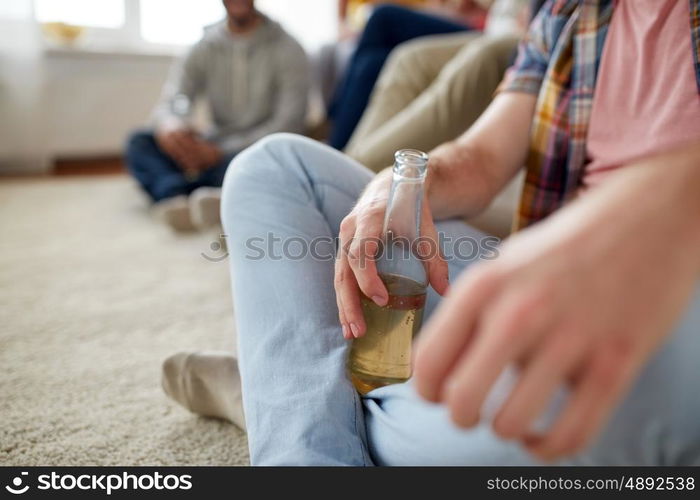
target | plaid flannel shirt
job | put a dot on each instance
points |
(558, 61)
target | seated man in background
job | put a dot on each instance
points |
(254, 78)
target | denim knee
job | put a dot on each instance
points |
(262, 159)
(258, 166)
(139, 142)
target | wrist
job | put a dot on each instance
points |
(438, 173)
(456, 185)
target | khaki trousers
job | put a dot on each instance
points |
(430, 91)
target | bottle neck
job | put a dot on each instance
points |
(404, 210)
(402, 222)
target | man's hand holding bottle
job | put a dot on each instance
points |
(355, 268)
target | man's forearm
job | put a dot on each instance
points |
(466, 174)
(666, 189)
(684, 177)
(456, 184)
(656, 197)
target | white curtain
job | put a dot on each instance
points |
(22, 133)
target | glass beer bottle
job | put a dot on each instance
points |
(383, 355)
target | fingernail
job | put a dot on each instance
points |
(423, 249)
(355, 330)
(379, 300)
(345, 331)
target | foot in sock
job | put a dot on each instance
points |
(205, 204)
(206, 383)
(175, 212)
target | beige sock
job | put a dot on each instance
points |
(175, 212)
(206, 383)
(205, 205)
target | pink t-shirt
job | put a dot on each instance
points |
(646, 98)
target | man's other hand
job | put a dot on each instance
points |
(581, 299)
(181, 145)
(208, 154)
(188, 150)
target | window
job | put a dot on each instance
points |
(178, 22)
(141, 25)
(102, 14)
(312, 22)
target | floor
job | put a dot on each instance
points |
(94, 295)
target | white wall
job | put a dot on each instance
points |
(63, 103)
(94, 101)
(22, 137)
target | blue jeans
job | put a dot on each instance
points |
(387, 27)
(300, 406)
(159, 175)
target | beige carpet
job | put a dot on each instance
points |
(93, 296)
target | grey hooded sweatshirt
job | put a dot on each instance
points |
(254, 84)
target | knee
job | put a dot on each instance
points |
(384, 13)
(406, 55)
(264, 163)
(502, 47)
(138, 142)
(262, 160)
(486, 54)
